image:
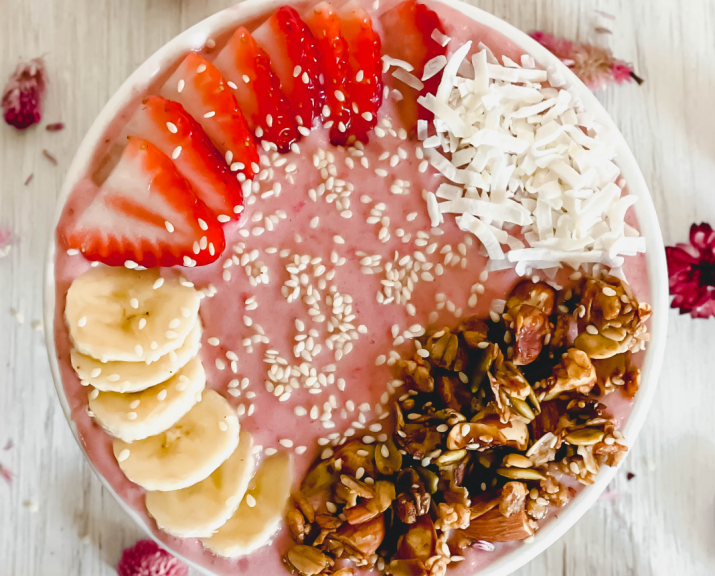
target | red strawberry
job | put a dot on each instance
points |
(296, 61)
(364, 94)
(167, 125)
(414, 44)
(326, 27)
(258, 90)
(147, 213)
(199, 87)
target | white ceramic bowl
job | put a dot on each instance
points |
(195, 38)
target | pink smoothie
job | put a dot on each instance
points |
(354, 386)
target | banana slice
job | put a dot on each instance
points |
(186, 453)
(261, 512)
(117, 314)
(136, 376)
(203, 508)
(139, 415)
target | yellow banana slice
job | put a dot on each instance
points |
(117, 314)
(136, 376)
(139, 415)
(186, 453)
(203, 508)
(261, 512)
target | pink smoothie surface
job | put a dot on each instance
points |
(363, 398)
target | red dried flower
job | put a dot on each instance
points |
(691, 268)
(146, 558)
(5, 242)
(595, 66)
(23, 95)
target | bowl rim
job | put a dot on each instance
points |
(194, 38)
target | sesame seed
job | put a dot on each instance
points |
(210, 114)
(123, 455)
(250, 499)
(180, 86)
(172, 127)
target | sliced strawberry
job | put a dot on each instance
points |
(364, 94)
(258, 90)
(199, 87)
(415, 45)
(296, 61)
(326, 27)
(147, 213)
(168, 126)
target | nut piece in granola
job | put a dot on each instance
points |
(611, 320)
(305, 560)
(573, 373)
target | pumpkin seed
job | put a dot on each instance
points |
(585, 437)
(517, 461)
(447, 458)
(522, 408)
(520, 473)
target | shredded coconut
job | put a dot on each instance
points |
(531, 174)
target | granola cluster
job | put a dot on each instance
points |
(495, 416)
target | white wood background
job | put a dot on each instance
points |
(55, 518)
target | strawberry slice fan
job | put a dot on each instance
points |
(190, 152)
(416, 46)
(146, 214)
(258, 90)
(296, 60)
(333, 48)
(364, 85)
(204, 93)
(167, 125)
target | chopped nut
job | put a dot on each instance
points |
(419, 542)
(530, 328)
(537, 294)
(306, 560)
(453, 517)
(406, 568)
(494, 527)
(363, 539)
(296, 524)
(619, 319)
(484, 503)
(573, 373)
(513, 498)
(419, 375)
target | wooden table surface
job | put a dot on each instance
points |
(55, 517)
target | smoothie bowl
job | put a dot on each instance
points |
(349, 288)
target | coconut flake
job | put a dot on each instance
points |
(410, 79)
(486, 236)
(389, 61)
(516, 152)
(449, 76)
(434, 66)
(440, 38)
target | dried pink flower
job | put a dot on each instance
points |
(691, 268)
(23, 94)
(5, 241)
(6, 474)
(595, 66)
(146, 558)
